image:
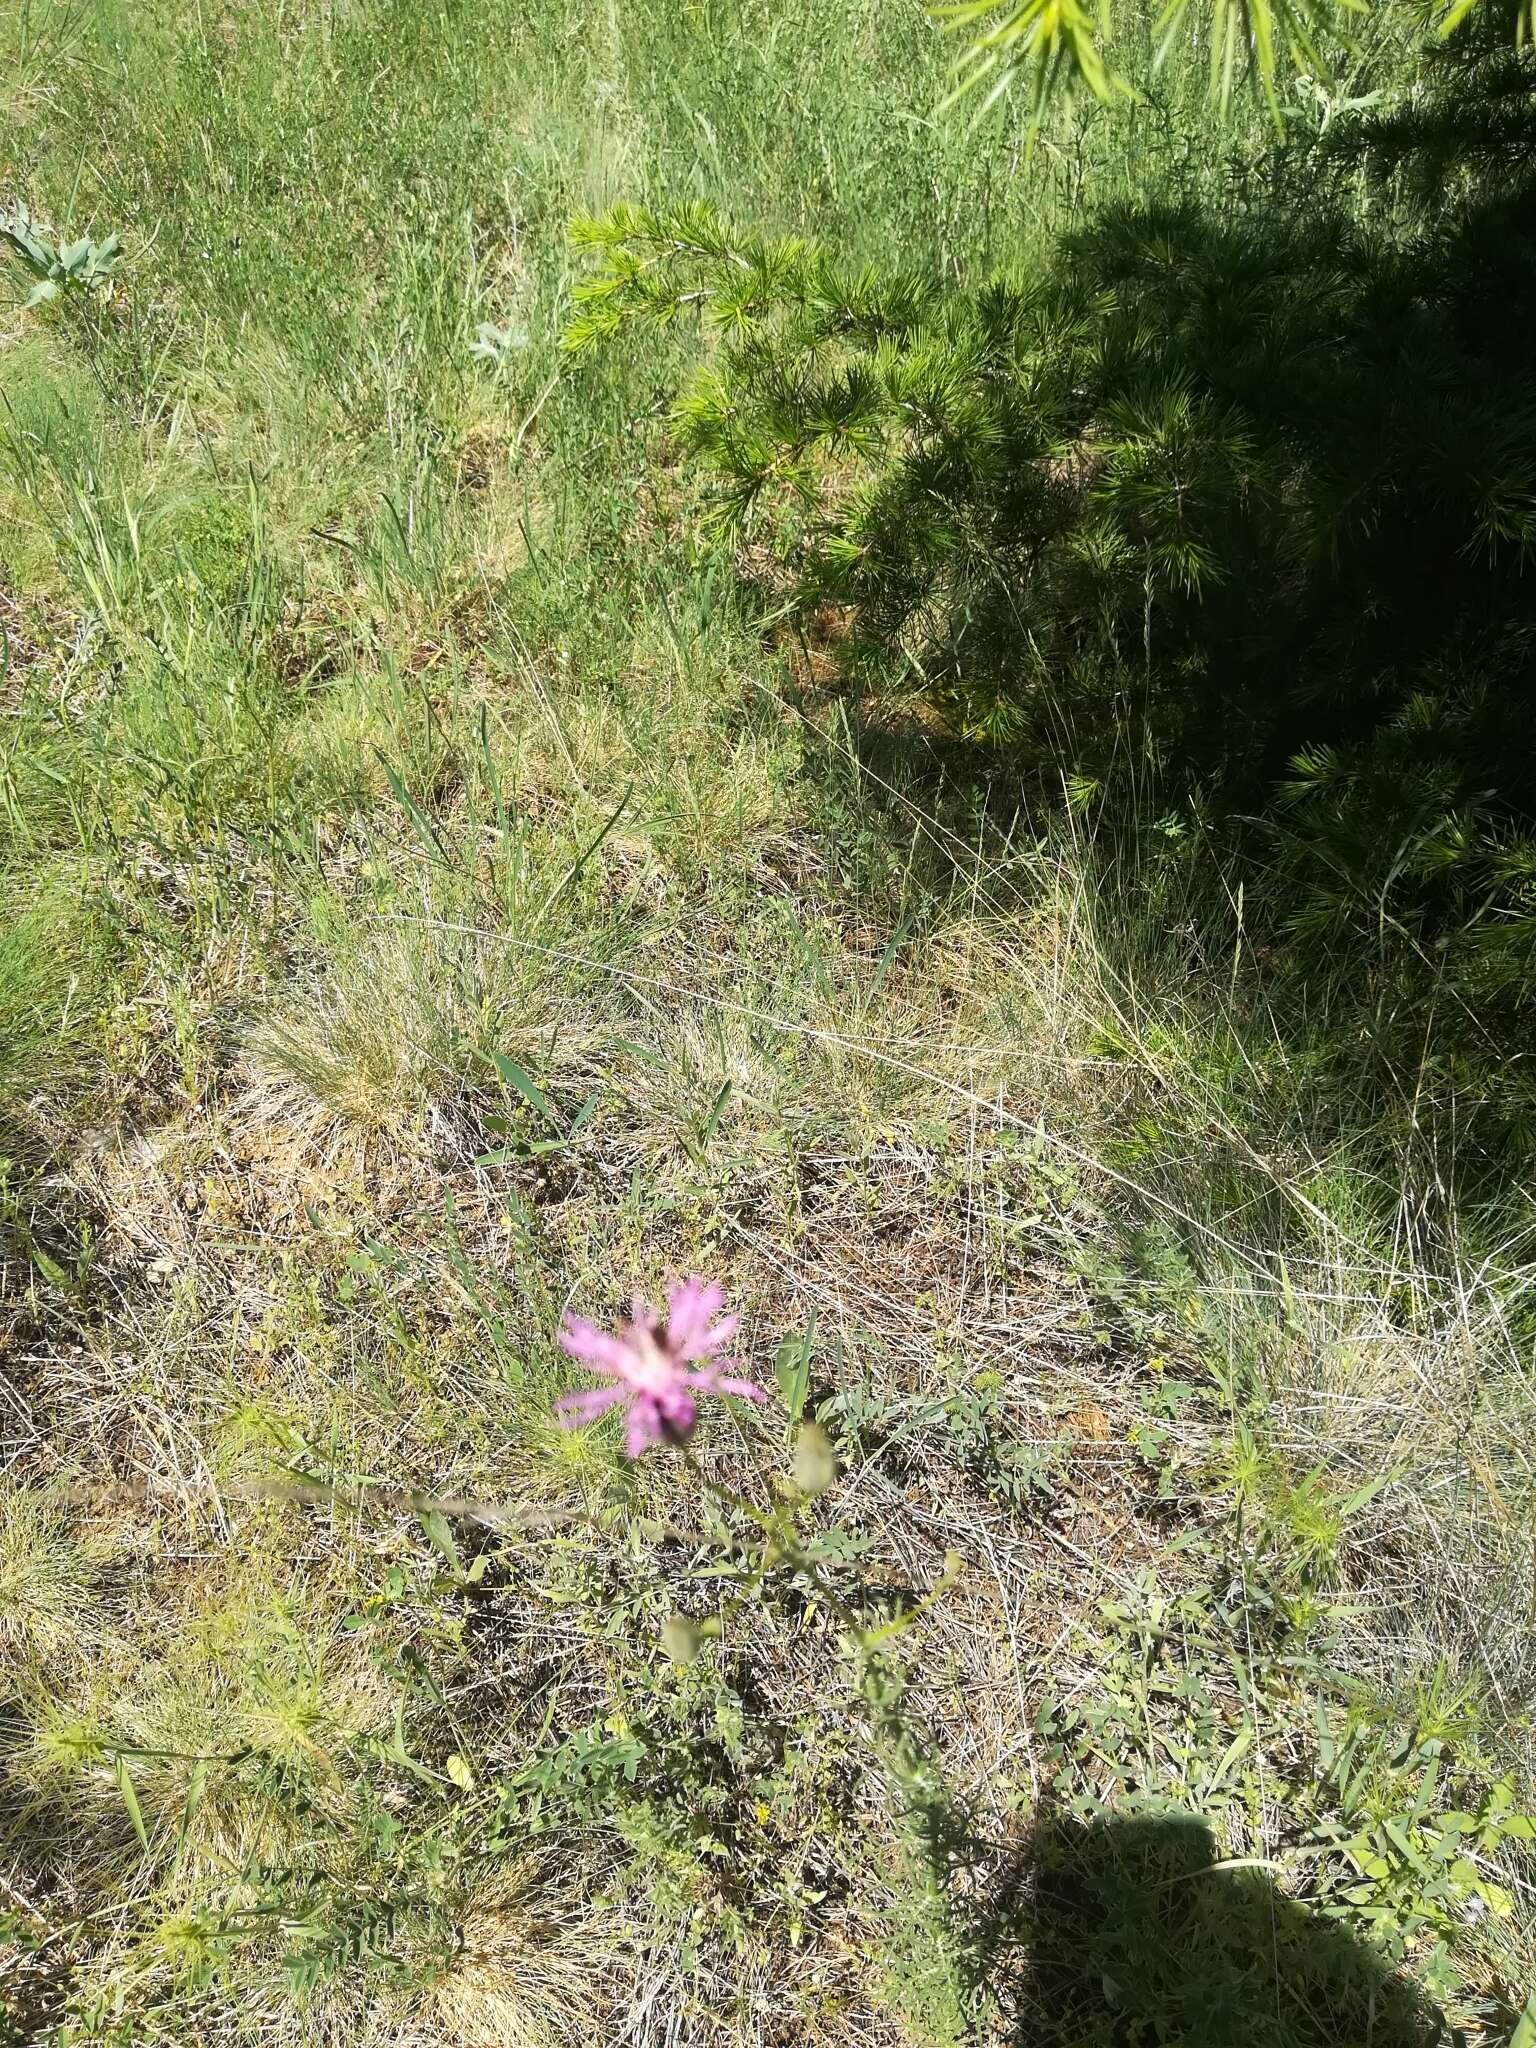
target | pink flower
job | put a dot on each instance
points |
(653, 1364)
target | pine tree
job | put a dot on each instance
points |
(1260, 477)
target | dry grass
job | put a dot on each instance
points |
(320, 1267)
(385, 723)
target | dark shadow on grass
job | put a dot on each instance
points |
(1134, 1932)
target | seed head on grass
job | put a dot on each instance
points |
(654, 1364)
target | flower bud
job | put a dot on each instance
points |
(680, 1639)
(815, 1460)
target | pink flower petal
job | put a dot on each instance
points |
(648, 1361)
(644, 1428)
(712, 1340)
(587, 1405)
(677, 1408)
(710, 1380)
(749, 1389)
(689, 1308)
(594, 1347)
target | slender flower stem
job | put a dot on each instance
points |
(778, 1527)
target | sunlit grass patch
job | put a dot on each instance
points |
(526, 1970)
(394, 1037)
(435, 903)
(49, 1594)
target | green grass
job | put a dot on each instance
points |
(432, 902)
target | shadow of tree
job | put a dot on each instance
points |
(1133, 1932)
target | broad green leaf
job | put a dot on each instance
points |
(524, 1084)
(435, 1525)
(792, 1368)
